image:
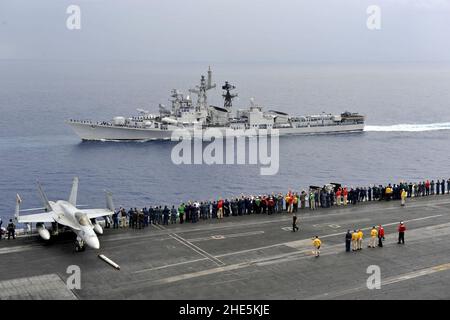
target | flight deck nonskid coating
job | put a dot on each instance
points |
(258, 258)
(187, 115)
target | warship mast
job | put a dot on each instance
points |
(228, 96)
(200, 91)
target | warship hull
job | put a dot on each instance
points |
(99, 132)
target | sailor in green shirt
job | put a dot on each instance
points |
(181, 212)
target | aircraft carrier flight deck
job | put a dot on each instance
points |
(248, 257)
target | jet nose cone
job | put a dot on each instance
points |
(93, 243)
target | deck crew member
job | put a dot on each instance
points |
(295, 202)
(401, 233)
(354, 240)
(294, 223)
(116, 219)
(287, 199)
(290, 202)
(123, 218)
(345, 195)
(380, 236)
(173, 215)
(316, 244)
(303, 196)
(404, 194)
(373, 237)
(220, 209)
(181, 213)
(312, 202)
(130, 218)
(146, 216)
(338, 197)
(360, 239)
(11, 228)
(280, 203)
(348, 241)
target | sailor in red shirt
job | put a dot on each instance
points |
(345, 194)
(401, 233)
(338, 196)
(380, 236)
(220, 209)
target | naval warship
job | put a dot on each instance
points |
(190, 115)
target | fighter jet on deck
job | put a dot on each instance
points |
(66, 213)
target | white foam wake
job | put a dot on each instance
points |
(410, 127)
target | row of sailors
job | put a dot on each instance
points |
(269, 204)
(428, 187)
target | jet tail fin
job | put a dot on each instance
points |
(74, 192)
(44, 198)
(16, 213)
(109, 201)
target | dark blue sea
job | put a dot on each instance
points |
(407, 137)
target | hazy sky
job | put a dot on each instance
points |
(226, 31)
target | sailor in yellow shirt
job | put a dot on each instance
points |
(403, 196)
(354, 240)
(316, 244)
(360, 239)
(373, 237)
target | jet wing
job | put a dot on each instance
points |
(37, 217)
(97, 213)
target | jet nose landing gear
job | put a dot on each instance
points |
(80, 245)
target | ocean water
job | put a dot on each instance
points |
(407, 134)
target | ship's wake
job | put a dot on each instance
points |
(409, 127)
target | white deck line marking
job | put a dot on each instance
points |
(226, 281)
(16, 249)
(170, 265)
(250, 250)
(193, 247)
(201, 273)
(226, 236)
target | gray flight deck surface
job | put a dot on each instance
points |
(249, 257)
